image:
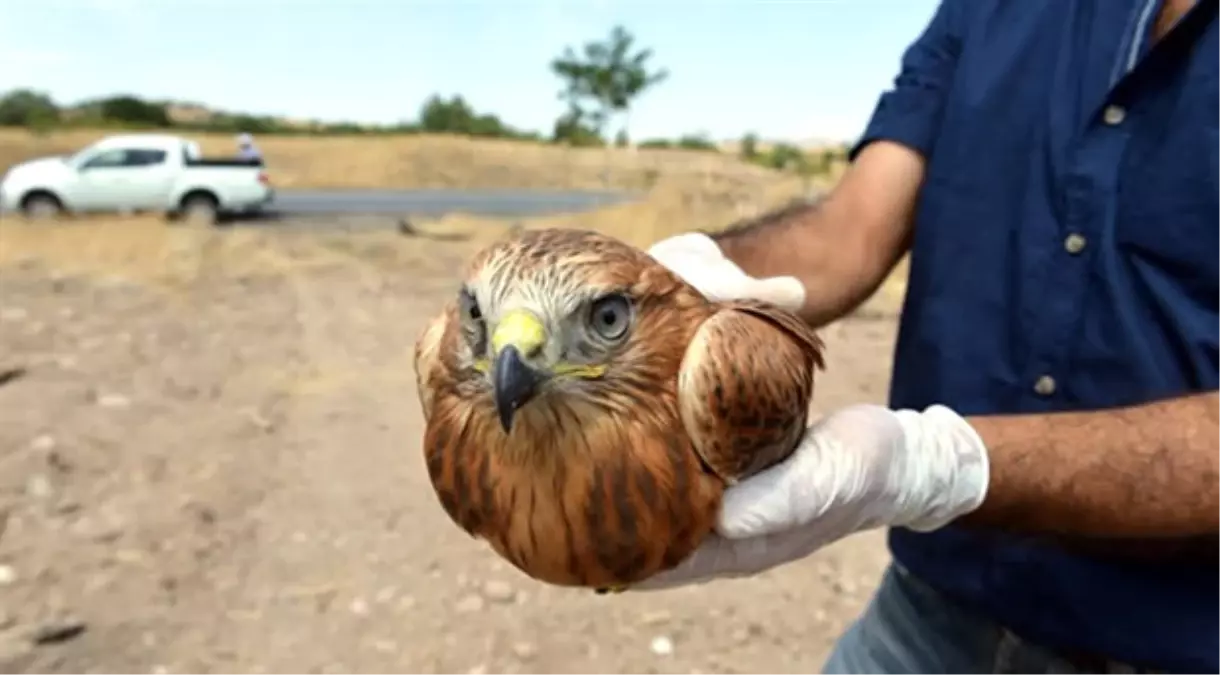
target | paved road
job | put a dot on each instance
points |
(439, 202)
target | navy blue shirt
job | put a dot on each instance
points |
(1064, 258)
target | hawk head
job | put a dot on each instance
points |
(555, 320)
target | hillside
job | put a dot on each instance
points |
(437, 161)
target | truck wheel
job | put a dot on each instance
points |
(41, 206)
(200, 209)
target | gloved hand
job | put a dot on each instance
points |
(862, 467)
(699, 261)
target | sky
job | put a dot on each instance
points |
(800, 71)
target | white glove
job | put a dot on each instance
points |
(862, 467)
(699, 262)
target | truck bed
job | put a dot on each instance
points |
(221, 161)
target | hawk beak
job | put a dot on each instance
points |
(514, 382)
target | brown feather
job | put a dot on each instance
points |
(427, 350)
(745, 387)
(609, 486)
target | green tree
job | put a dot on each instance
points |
(829, 157)
(749, 146)
(606, 77)
(697, 142)
(488, 126)
(454, 116)
(135, 111)
(27, 108)
(573, 129)
(656, 144)
(241, 122)
(784, 156)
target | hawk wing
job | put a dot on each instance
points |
(745, 385)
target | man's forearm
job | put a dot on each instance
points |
(1147, 472)
(842, 247)
(805, 241)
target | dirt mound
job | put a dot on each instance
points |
(429, 161)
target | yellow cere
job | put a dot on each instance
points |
(520, 329)
(523, 330)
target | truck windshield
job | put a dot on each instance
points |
(81, 156)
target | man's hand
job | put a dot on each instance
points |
(699, 261)
(862, 467)
(819, 259)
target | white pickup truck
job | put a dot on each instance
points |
(133, 173)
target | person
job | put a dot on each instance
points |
(246, 149)
(1047, 464)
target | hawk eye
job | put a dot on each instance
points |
(610, 316)
(469, 306)
(472, 324)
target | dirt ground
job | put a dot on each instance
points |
(212, 464)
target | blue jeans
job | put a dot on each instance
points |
(909, 627)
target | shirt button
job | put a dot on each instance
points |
(1114, 115)
(1045, 386)
(1074, 243)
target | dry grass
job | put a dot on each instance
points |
(673, 210)
(686, 191)
(422, 161)
(148, 250)
(666, 211)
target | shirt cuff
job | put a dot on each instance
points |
(904, 116)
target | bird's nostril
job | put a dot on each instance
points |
(532, 351)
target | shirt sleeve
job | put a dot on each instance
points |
(910, 113)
